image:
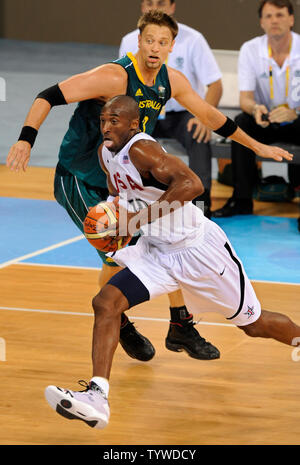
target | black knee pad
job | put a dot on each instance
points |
(131, 286)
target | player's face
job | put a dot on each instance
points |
(164, 5)
(276, 22)
(155, 44)
(117, 128)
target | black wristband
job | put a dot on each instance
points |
(53, 95)
(228, 128)
(28, 134)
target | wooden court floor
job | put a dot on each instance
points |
(249, 396)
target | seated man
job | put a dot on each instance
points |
(269, 71)
(179, 248)
(192, 56)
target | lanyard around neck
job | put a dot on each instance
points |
(287, 73)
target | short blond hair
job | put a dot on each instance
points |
(160, 19)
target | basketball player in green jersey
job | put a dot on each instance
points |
(79, 180)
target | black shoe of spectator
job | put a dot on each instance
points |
(185, 337)
(234, 207)
(135, 344)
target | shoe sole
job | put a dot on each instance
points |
(180, 348)
(69, 409)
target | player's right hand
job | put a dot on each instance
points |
(18, 156)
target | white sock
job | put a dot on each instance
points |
(102, 383)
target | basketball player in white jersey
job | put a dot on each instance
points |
(182, 249)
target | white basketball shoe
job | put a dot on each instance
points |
(89, 405)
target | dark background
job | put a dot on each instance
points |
(226, 24)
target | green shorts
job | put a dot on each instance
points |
(76, 197)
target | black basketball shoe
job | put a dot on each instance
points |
(185, 337)
(135, 344)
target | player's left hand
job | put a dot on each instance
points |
(278, 154)
(201, 132)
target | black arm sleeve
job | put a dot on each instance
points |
(228, 128)
(53, 95)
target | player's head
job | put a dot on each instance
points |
(119, 121)
(156, 39)
(167, 6)
(276, 17)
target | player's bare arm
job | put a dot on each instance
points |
(103, 83)
(183, 184)
(100, 83)
(213, 95)
(215, 120)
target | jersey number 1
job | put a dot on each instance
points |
(144, 122)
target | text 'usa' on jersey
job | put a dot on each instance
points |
(152, 99)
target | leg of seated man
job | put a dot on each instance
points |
(244, 169)
(199, 154)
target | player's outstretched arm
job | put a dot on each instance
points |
(215, 120)
(101, 83)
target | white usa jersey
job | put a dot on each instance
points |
(176, 228)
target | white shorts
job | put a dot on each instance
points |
(209, 273)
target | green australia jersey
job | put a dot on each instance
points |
(78, 151)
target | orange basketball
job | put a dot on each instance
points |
(100, 227)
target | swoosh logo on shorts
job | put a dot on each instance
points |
(221, 274)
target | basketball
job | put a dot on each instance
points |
(100, 228)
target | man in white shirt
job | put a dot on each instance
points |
(192, 56)
(269, 83)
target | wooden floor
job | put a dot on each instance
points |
(249, 396)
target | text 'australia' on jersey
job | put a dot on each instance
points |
(150, 99)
